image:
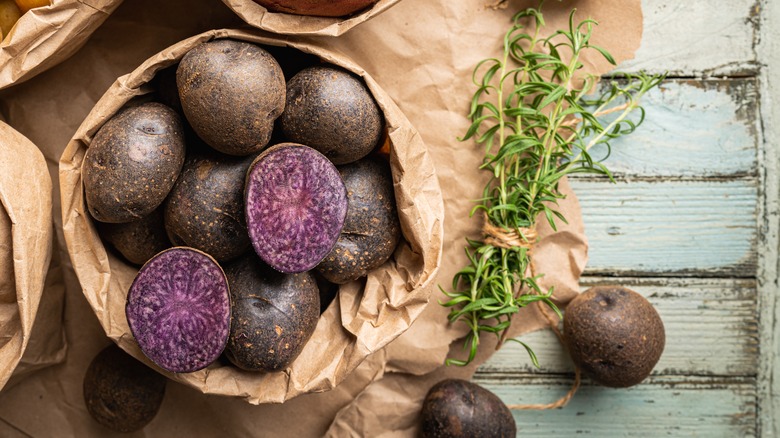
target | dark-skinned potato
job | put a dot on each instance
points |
(331, 110)
(133, 162)
(457, 408)
(321, 8)
(120, 392)
(371, 230)
(205, 209)
(273, 315)
(231, 93)
(137, 241)
(614, 334)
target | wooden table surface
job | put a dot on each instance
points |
(692, 224)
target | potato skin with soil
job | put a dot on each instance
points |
(231, 93)
(273, 315)
(614, 334)
(371, 230)
(458, 408)
(331, 110)
(321, 8)
(137, 241)
(120, 392)
(133, 162)
(205, 209)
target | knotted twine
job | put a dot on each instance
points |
(526, 238)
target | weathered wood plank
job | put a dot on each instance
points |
(698, 38)
(697, 228)
(701, 128)
(769, 241)
(711, 329)
(683, 406)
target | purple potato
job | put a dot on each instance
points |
(457, 408)
(137, 241)
(231, 93)
(133, 162)
(205, 209)
(120, 392)
(331, 110)
(371, 230)
(274, 315)
(178, 309)
(296, 204)
(614, 334)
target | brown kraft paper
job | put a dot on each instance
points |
(290, 24)
(422, 52)
(362, 319)
(43, 37)
(25, 249)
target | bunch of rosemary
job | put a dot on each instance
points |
(533, 115)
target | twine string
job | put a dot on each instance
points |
(526, 238)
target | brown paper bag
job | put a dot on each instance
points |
(43, 37)
(362, 319)
(25, 244)
(289, 24)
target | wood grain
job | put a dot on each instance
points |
(675, 406)
(696, 228)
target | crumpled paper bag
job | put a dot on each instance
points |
(43, 37)
(365, 315)
(289, 24)
(30, 327)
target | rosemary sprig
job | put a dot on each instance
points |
(533, 115)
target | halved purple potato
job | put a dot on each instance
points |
(120, 392)
(137, 241)
(372, 229)
(273, 314)
(205, 209)
(296, 203)
(178, 309)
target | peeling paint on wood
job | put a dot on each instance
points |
(711, 329)
(692, 128)
(698, 38)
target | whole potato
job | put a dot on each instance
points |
(9, 15)
(133, 162)
(455, 408)
(231, 93)
(332, 111)
(137, 241)
(371, 230)
(273, 314)
(614, 334)
(205, 209)
(322, 8)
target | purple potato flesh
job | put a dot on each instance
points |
(178, 309)
(296, 204)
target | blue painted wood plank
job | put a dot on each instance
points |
(698, 128)
(702, 228)
(676, 407)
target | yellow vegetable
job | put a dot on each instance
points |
(26, 5)
(9, 13)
